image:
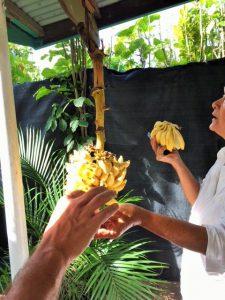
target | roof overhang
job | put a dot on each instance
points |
(37, 24)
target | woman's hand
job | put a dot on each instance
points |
(128, 216)
(164, 155)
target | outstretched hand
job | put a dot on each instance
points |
(126, 217)
(164, 155)
(76, 219)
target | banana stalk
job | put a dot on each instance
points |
(98, 94)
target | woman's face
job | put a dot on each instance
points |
(218, 117)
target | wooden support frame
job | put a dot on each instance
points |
(10, 160)
(14, 12)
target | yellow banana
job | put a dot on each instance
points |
(115, 170)
(120, 159)
(167, 134)
(163, 138)
(98, 171)
(122, 175)
(110, 180)
(104, 177)
(111, 202)
(93, 167)
(120, 187)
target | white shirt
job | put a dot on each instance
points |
(203, 276)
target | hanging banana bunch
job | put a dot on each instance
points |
(167, 134)
(93, 166)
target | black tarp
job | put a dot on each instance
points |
(137, 99)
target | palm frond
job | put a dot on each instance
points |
(37, 160)
(1, 196)
(5, 277)
(118, 270)
(128, 198)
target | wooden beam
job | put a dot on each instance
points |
(58, 31)
(14, 12)
(10, 160)
(84, 20)
(93, 8)
(110, 15)
(129, 9)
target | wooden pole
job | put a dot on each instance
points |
(10, 160)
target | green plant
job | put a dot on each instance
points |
(198, 36)
(106, 268)
(22, 67)
(71, 116)
(117, 270)
(201, 31)
(4, 275)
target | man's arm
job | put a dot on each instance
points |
(71, 228)
(183, 234)
(188, 182)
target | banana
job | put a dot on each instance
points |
(104, 177)
(122, 176)
(120, 159)
(169, 140)
(106, 166)
(110, 180)
(115, 170)
(111, 202)
(121, 186)
(93, 167)
(98, 171)
(180, 140)
(95, 181)
(163, 138)
(167, 134)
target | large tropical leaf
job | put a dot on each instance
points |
(37, 159)
(116, 270)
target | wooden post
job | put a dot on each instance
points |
(10, 160)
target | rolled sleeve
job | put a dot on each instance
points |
(214, 259)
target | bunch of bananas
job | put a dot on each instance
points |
(91, 167)
(167, 134)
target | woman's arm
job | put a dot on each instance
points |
(181, 233)
(188, 182)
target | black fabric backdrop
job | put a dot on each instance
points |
(137, 99)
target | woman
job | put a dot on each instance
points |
(203, 237)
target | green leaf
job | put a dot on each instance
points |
(54, 125)
(44, 56)
(41, 92)
(49, 124)
(83, 123)
(157, 41)
(79, 101)
(59, 112)
(88, 102)
(70, 146)
(74, 125)
(62, 125)
(48, 73)
(155, 17)
(126, 32)
(67, 139)
(159, 54)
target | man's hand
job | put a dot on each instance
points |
(127, 216)
(71, 228)
(76, 219)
